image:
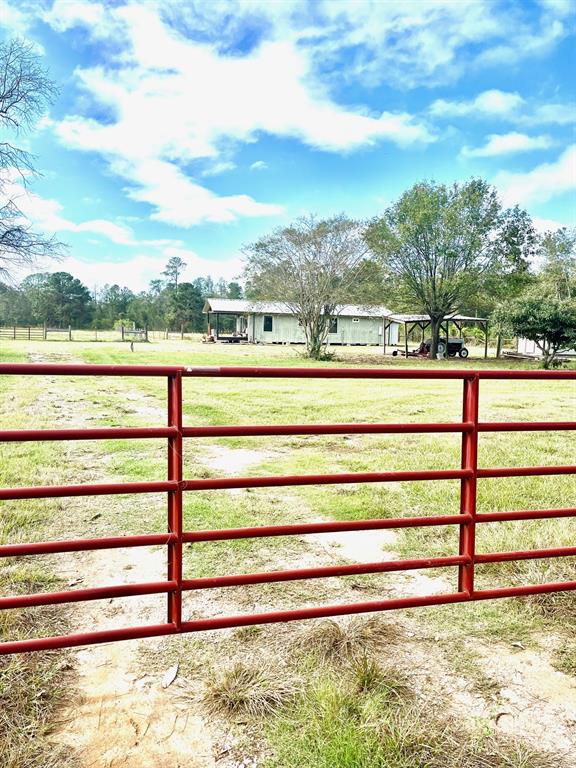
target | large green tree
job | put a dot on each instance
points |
(441, 243)
(184, 308)
(558, 257)
(58, 299)
(173, 270)
(548, 321)
(310, 266)
(111, 304)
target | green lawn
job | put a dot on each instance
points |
(141, 402)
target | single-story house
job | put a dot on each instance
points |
(273, 322)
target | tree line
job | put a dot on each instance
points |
(61, 300)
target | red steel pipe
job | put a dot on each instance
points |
(101, 489)
(469, 461)
(530, 554)
(525, 426)
(86, 369)
(175, 499)
(324, 373)
(86, 638)
(224, 534)
(530, 514)
(103, 433)
(323, 429)
(469, 427)
(296, 574)
(524, 374)
(84, 545)
(225, 622)
(534, 589)
(81, 595)
(526, 471)
(216, 483)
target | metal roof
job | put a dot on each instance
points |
(245, 306)
(426, 318)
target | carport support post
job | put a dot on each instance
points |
(406, 338)
(485, 340)
(175, 498)
(384, 329)
(468, 484)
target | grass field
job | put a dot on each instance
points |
(373, 715)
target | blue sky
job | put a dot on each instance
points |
(191, 128)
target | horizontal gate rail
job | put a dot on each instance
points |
(175, 485)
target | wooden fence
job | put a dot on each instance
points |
(45, 333)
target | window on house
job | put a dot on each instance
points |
(333, 325)
(267, 323)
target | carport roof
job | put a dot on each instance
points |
(426, 318)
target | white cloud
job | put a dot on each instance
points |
(46, 215)
(492, 103)
(17, 20)
(178, 200)
(173, 105)
(508, 143)
(541, 183)
(259, 165)
(525, 43)
(560, 114)
(216, 169)
(546, 225)
(67, 14)
(505, 105)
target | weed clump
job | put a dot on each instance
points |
(337, 642)
(246, 689)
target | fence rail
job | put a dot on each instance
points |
(175, 485)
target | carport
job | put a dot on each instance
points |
(410, 322)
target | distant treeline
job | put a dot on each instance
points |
(59, 300)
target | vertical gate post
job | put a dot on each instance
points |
(468, 484)
(175, 498)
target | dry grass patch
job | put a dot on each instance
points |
(247, 689)
(336, 642)
(32, 685)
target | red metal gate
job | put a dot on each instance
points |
(175, 485)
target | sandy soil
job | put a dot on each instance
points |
(123, 717)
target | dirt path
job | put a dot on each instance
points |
(119, 716)
(123, 717)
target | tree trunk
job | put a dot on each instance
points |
(316, 341)
(435, 325)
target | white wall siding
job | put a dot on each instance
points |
(286, 330)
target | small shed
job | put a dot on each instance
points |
(528, 348)
(274, 322)
(410, 322)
